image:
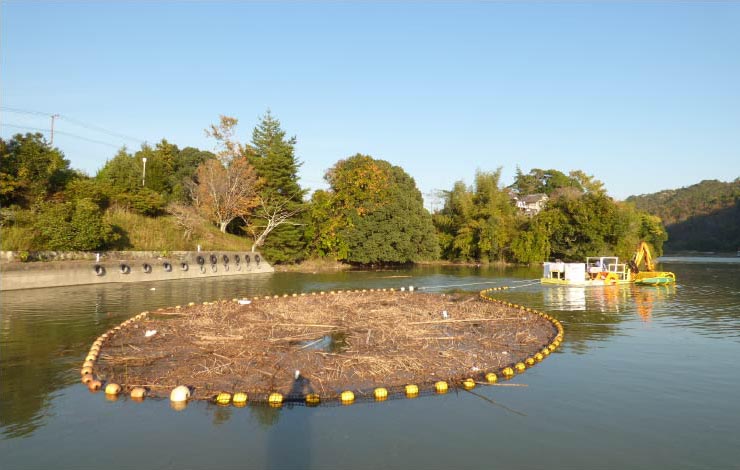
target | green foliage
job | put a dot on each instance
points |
(580, 220)
(477, 223)
(373, 213)
(30, 170)
(273, 156)
(77, 225)
(701, 217)
(183, 174)
(550, 181)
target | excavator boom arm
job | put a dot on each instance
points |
(643, 253)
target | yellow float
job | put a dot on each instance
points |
(239, 399)
(441, 387)
(313, 399)
(347, 397)
(380, 393)
(223, 398)
(275, 399)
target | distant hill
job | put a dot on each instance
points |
(700, 217)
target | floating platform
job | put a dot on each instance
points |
(323, 347)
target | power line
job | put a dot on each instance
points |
(88, 126)
(69, 134)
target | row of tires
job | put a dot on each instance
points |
(147, 268)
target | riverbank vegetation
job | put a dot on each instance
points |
(247, 195)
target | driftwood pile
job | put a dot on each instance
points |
(321, 344)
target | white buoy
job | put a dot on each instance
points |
(180, 393)
(403, 289)
(411, 288)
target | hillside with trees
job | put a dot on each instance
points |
(701, 217)
(245, 195)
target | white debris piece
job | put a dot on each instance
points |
(244, 301)
(445, 315)
(149, 333)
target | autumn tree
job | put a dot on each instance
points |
(226, 187)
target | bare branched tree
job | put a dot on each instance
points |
(269, 214)
(185, 217)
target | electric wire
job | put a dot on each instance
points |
(68, 134)
(73, 121)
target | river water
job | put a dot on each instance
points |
(648, 377)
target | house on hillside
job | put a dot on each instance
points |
(531, 204)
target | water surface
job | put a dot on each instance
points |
(647, 378)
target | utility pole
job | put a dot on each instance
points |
(143, 174)
(53, 116)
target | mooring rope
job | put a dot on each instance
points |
(530, 281)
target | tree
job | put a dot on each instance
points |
(271, 213)
(184, 171)
(74, 225)
(30, 170)
(374, 214)
(277, 226)
(477, 223)
(224, 193)
(548, 181)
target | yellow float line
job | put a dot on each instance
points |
(346, 397)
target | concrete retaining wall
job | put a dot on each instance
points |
(130, 267)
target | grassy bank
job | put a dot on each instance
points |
(142, 233)
(139, 233)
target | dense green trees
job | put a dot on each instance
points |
(373, 213)
(56, 207)
(477, 223)
(701, 217)
(30, 170)
(482, 224)
(550, 181)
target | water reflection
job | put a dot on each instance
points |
(44, 333)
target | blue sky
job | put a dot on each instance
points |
(644, 96)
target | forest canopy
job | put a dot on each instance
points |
(371, 213)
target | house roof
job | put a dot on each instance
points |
(533, 198)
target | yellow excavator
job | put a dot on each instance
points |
(649, 276)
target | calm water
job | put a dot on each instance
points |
(647, 378)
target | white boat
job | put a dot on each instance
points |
(606, 271)
(596, 271)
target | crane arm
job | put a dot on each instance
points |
(643, 253)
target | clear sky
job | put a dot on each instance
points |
(644, 96)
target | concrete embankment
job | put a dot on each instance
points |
(129, 267)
